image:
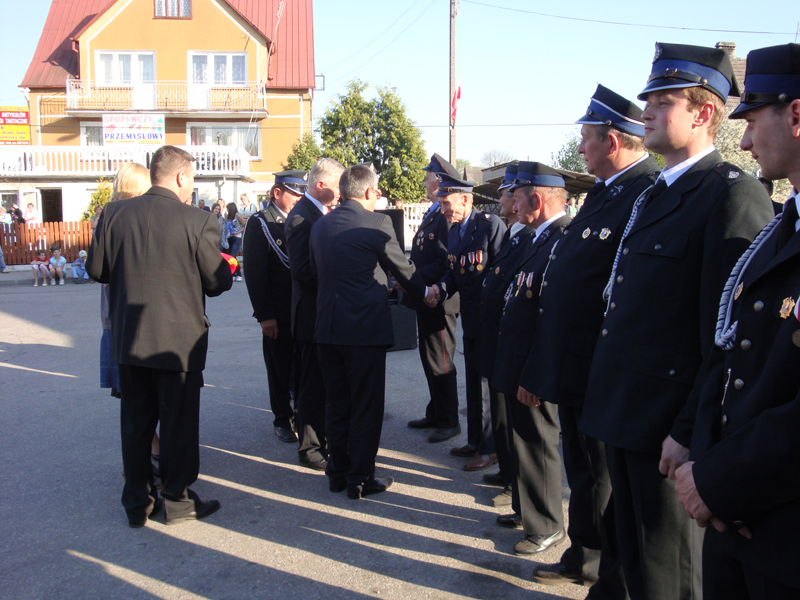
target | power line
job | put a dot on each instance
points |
(373, 40)
(427, 8)
(540, 14)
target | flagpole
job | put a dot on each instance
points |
(450, 113)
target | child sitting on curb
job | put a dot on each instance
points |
(79, 274)
(41, 266)
(57, 264)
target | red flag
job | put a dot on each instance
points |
(454, 103)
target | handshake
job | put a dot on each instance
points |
(434, 296)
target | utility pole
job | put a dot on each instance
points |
(453, 13)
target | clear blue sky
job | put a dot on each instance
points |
(525, 77)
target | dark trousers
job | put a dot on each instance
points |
(310, 405)
(538, 480)
(355, 380)
(437, 346)
(479, 412)
(503, 435)
(150, 396)
(279, 360)
(726, 578)
(593, 551)
(659, 544)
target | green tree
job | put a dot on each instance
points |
(567, 157)
(462, 163)
(357, 130)
(98, 198)
(304, 154)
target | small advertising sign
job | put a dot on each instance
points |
(133, 130)
(14, 126)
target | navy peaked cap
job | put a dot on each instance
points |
(509, 177)
(295, 180)
(609, 108)
(682, 66)
(537, 174)
(773, 75)
(453, 185)
(439, 166)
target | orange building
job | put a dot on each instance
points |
(231, 81)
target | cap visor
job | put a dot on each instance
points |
(739, 111)
(665, 84)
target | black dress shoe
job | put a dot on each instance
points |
(494, 479)
(423, 423)
(370, 486)
(558, 574)
(444, 433)
(504, 498)
(467, 451)
(285, 434)
(317, 465)
(201, 511)
(533, 544)
(512, 521)
(137, 522)
(336, 484)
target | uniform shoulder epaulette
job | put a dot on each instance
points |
(730, 173)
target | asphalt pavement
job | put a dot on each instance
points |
(280, 532)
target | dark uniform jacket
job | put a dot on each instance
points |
(558, 367)
(161, 258)
(499, 274)
(483, 237)
(269, 281)
(519, 318)
(429, 255)
(663, 311)
(747, 448)
(304, 284)
(351, 249)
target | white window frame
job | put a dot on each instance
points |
(210, 56)
(116, 81)
(236, 125)
(86, 125)
(166, 10)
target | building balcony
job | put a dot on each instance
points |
(176, 98)
(48, 162)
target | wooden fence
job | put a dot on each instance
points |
(20, 242)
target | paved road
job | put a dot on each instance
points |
(280, 533)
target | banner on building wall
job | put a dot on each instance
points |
(133, 130)
(15, 127)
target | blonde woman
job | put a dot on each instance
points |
(130, 181)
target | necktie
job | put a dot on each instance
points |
(787, 226)
(506, 237)
(659, 187)
(594, 190)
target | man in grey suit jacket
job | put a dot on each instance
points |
(350, 251)
(141, 247)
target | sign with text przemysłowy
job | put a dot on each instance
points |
(133, 130)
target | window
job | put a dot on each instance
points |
(125, 68)
(91, 134)
(219, 69)
(173, 9)
(244, 135)
(7, 199)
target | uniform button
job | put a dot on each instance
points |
(620, 279)
(658, 246)
(746, 345)
(625, 251)
(544, 284)
(738, 384)
(604, 333)
(758, 306)
(613, 306)
(541, 311)
(724, 420)
(672, 372)
(595, 233)
(553, 257)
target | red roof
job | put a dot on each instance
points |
(292, 64)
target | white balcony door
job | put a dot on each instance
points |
(143, 95)
(200, 86)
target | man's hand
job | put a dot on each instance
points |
(673, 455)
(269, 329)
(434, 296)
(527, 398)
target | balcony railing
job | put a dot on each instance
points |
(166, 96)
(49, 161)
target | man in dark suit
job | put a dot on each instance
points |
(321, 194)
(540, 195)
(498, 277)
(681, 240)
(744, 475)
(270, 288)
(436, 325)
(142, 247)
(350, 251)
(473, 241)
(572, 310)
